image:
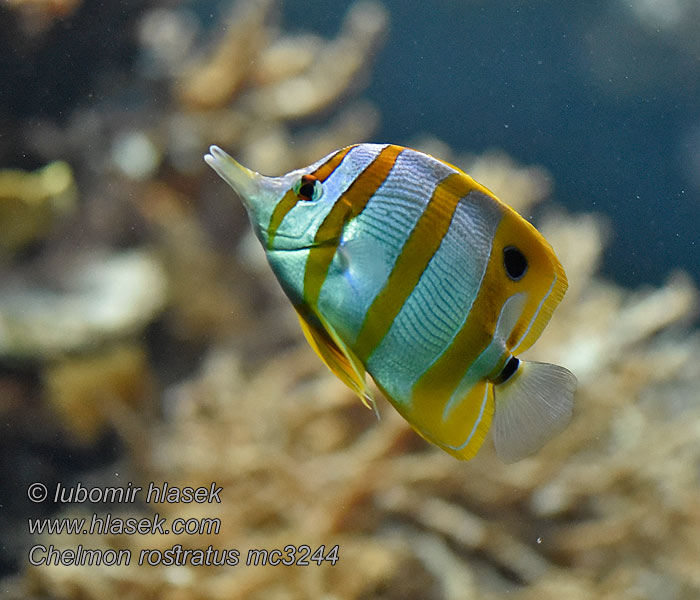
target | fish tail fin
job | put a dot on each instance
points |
(532, 406)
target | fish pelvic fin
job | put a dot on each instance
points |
(532, 406)
(336, 356)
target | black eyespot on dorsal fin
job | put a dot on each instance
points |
(514, 262)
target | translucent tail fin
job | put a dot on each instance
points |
(532, 406)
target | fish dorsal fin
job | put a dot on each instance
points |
(548, 304)
(336, 355)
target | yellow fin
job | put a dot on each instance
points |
(337, 357)
(466, 424)
(458, 427)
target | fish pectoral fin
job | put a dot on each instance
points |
(337, 357)
(532, 406)
(361, 260)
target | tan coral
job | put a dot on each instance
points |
(31, 203)
(212, 80)
(108, 296)
(91, 393)
(335, 70)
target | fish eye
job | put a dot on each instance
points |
(514, 262)
(308, 188)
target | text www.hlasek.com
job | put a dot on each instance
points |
(129, 526)
(110, 525)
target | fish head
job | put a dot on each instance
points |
(524, 278)
(282, 210)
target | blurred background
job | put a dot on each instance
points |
(143, 337)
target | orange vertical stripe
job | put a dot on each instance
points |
(350, 204)
(290, 199)
(416, 253)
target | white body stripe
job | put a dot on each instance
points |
(373, 241)
(440, 303)
(300, 224)
(288, 258)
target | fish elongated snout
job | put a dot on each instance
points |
(246, 183)
(259, 193)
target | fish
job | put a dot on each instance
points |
(403, 267)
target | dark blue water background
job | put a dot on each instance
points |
(609, 106)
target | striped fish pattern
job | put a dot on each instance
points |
(401, 265)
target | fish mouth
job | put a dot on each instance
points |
(292, 247)
(246, 183)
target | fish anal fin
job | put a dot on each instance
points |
(457, 425)
(532, 406)
(337, 357)
(469, 420)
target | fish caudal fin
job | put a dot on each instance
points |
(532, 406)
